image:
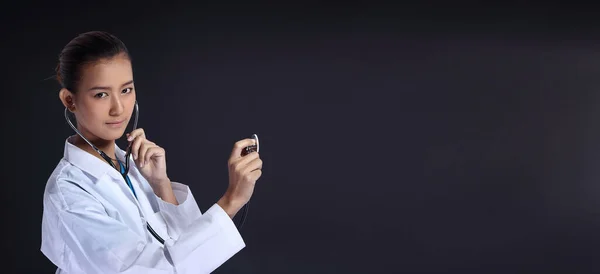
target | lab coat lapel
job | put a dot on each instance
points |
(105, 175)
(121, 156)
(118, 194)
(109, 183)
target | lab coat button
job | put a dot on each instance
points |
(140, 246)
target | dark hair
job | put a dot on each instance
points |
(85, 49)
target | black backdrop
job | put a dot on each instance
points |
(399, 139)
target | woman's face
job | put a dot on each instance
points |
(105, 98)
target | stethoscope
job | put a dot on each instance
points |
(109, 160)
(126, 171)
(246, 151)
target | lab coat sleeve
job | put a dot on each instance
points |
(179, 217)
(103, 244)
(183, 219)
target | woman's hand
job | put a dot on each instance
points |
(150, 159)
(244, 171)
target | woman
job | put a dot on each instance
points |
(97, 217)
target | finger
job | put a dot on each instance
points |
(254, 175)
(249, 149)
(239, 145)
(243, 161)
(137, 132)
(135, 146)
(153, 152)
(143, 151)
(254, 165)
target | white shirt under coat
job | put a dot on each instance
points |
(92, 222)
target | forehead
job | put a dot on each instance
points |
(111, 72)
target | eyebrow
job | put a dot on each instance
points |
(108, 88)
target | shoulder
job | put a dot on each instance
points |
(66, 186)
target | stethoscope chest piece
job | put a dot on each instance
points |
(252, 148)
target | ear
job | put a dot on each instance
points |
(67, 98)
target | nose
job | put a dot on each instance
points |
(117, 107)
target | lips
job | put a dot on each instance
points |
(116, 122)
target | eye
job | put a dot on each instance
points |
(127, 90)
(101, 95)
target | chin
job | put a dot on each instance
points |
(112, 134)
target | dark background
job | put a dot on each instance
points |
(452, 138)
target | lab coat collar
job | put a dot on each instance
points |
(89, 163)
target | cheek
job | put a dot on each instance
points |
(90, 115)
(130, 105)
(131, 99)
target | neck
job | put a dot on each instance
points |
(107, 146)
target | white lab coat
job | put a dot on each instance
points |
(92, 223)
